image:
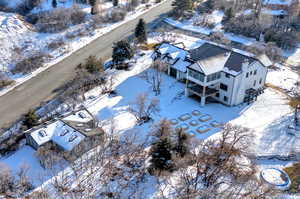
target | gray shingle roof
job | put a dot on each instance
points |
(207, 50)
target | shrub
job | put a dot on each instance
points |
(219, 37)
(5, 81)
(55, 44)
(117, 15)
(244, 26)
(294, 174)
(92, 65)
(30, 119)
(77, 15)
(98, 20)
(27, 5)
(54, 21)
(285, 40)
(30, 64)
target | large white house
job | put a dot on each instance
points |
(229, 76)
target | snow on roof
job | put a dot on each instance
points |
(181, 65)
(277, 2)
(60, 133)
(174, 51)
(43, 135)
(264, 59)
(274, 12)
(213, 64)
(80, 116)
(67, 137)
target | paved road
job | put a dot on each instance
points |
(40, 88)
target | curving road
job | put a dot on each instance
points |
(40, 88)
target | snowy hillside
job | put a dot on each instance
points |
(20, 39)
(13, 32)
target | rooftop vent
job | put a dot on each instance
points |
(82, 115)
(42, 133)
(65, 132)
(72, 138)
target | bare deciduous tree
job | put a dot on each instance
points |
(154, 76)
(143, 108)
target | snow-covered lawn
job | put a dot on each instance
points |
(16, 34)
(268, 117)
(25, 156)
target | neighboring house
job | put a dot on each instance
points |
(229, 76)
(289, 7)
(67, 133)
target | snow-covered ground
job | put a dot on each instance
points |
(293, 57)
(16, 35)
(268, 117)
(25, 156)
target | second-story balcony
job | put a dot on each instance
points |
(202, 79)
(202, 91)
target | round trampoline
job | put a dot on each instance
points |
(276, 177)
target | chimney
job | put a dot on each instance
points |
(245, 65)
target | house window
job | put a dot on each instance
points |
(225, 98)
(255, 72)
(218, 95)
(213, 77)
(254, 84)
(227, 75)
(251, 73)
(247, 75)
(223, 87)
(196, 75)
(260, 81)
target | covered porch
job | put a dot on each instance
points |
(201, 91)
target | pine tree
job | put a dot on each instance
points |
(93, 4)
(121, 51)
(140, 32)
(161, 155)
(228, 14)
(115, 3)
(209, 4)
(54, 3)
(181, 142)
(180, 6)
(30, 119)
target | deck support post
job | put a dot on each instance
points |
(203, 98)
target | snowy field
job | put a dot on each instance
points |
(268, 117)
(16, 35)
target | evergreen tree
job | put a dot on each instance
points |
(209, 4)
(54, 3)
(30, 119)
(228, 14)
(93, 65)
(180, 6)
(140, 32)
(161, 155)
(93, 4)
(115, 3)
(181, 142)
(122, 51)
